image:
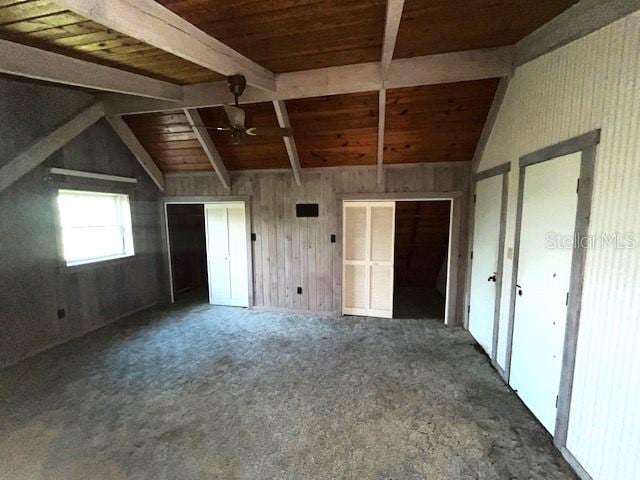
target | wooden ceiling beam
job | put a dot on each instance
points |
(289, 142)
(29, 62)
(363, 77)
(577, 21)
(156, 25)
(393, 16)
(391, 27)
(450, 67)
(43, 147)
(382, 113)
(201, 133)
(135, 147)
(489, 123)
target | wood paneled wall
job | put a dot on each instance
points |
(292, 252)
(34, 284)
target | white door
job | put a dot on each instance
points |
(227, 254)
(368, 242)
(550, 202)
(484, 265)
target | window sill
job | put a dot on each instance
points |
(92, 264)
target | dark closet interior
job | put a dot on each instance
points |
(188, 249)
(421, 245)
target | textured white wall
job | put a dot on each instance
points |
(591, 83)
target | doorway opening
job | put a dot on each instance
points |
(188, 254)
(208, 250)
(422, 232)
(370, 257)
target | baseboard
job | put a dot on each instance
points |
(262, 308)
(37, 351)
(575, 464)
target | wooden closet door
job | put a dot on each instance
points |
(368, 242)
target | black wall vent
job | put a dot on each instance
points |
(307, 210)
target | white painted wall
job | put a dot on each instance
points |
(591, 83)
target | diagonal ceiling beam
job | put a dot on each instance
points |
(289, 142)
(391, 27)
(43, 147)
(577, 21)
(24, 61)
(201, 133)
(137, 149)
(362, 77)
(489, 123)
(156, 25)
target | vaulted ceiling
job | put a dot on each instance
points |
(429, 123)
(436, 123)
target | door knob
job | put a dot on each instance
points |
(493, 278)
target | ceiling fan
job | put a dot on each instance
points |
(235, 118)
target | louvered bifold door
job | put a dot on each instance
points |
(382, 223)
(368, 233)
(355, 281)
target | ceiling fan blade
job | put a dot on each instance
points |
(235, 115)
(269, 132)
(219, 129)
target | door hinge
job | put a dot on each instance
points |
(566, 302)
(468, 309)
(556, 401)
(471, 254)
(474, 198)
(578, 186)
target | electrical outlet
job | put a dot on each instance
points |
(61, 313)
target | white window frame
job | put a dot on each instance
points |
(125, 224)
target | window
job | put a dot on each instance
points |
(95, 226)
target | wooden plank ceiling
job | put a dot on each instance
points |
(289, 35)
(423, 124)
(170, 141)
(335, 130)
(43, 24)
(437, 26)
(436, 123)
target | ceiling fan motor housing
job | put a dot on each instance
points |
(236, 84)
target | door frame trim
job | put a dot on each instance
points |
(203, 200)
(586, 144)
(502, 169)
(455, 225)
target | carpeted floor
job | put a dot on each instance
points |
(200, 392)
